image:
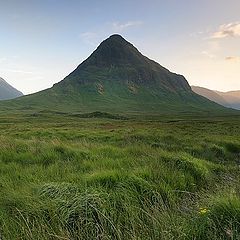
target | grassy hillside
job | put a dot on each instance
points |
(117, 99)
(72, 177)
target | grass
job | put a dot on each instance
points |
(72, 177)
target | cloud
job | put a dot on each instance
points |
(89, 37)
(93, 37)
(196, 34)
(227, 30)
(119, 27)
(208, 54)
(233, 58)
(18, 71)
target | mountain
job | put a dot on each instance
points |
(210, 94)
(117, 78)
(7, 91)
(228, 99)
(232, 98)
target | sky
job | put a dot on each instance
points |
(42, 41)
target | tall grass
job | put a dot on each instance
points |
(113, 179)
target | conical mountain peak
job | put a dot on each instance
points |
(115, 50)
(116, 37)
(116, 40)
(116, 59)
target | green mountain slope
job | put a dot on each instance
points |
(117, 78)
(7, 91)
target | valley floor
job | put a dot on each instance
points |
(66, 177)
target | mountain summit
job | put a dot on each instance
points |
(117, 78)
(114, 51)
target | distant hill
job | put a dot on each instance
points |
(228, 99)
(117, 78)
(7, 91)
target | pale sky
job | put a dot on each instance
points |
(42, 41)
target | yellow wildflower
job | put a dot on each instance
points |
(203, 210)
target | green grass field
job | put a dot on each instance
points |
(69, 177)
